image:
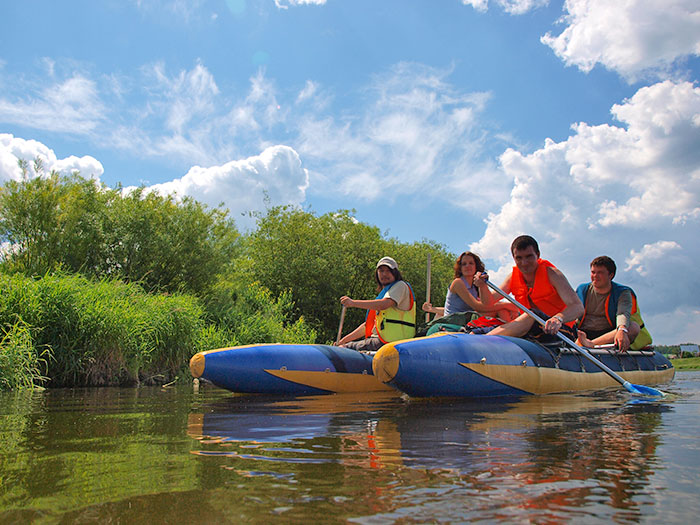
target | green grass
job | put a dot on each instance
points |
(687, 363)
(20, 364)
(73, 331)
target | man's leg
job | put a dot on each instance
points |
(517, 328)
(606, 338)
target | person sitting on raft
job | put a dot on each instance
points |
(539, 285)
(392, 314)
(610, 310)
(469, 292)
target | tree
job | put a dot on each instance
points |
(80, 225)
(29, 223)
(320, 259)
(170, 245)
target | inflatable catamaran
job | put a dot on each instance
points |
(445, 364)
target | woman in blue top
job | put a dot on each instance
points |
(469, 291)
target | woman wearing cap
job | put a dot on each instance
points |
(392, 314)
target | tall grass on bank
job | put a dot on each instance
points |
(249, 313)
(104, 332)
(20, 364)
(111, 333)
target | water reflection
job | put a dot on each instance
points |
(173, 455)
(540, 455)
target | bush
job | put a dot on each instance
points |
(81, 226)
(250, 313)
(320, 259)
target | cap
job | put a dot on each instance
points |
(388, 261)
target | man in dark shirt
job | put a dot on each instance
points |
(608, 308)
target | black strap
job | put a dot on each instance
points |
(396, 321)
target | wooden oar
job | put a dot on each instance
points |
(634, 389)
(340, 326)
(427, 291)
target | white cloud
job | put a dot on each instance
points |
(185, 118)
(284, 4)
(411, 135)
(187, 95)
(514, 7)
(633, 38)
(14, 149)
(180, 116)
(70, 106)
(650, 257)
(276, 176)
(415, 135)
(479, 5)
(680, 323)
(631, 193)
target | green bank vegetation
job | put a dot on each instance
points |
(687, 363)
(106, 287)
(681, 360)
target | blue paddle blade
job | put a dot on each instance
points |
(642, 390)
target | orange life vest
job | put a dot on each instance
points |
(542, 295)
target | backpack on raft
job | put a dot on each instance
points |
(469, 321)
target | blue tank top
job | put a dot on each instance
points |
(454, 303)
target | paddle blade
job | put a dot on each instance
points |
(642, 390)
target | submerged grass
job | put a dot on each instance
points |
(109, 332)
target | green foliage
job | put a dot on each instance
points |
(687, 363)
(320, 259)
(20, 364)
(102, 333)
(250, 313)
(110, 332)
(117, 324)
(79, 225)
(168, 245)
(413, 258)
(29, 213)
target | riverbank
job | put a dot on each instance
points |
(67, 330)
(686, 363)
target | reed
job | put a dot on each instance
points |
(249, 313)
(20, 364)
(68, 330)
(99, 333)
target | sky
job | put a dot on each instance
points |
(465, 122)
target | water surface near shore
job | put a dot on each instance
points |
(173, 455)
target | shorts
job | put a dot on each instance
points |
(538, 334)
(594, 334)
(371, 344)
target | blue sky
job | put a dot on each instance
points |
(465, 122)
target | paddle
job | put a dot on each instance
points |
(340, 327)
(634, 389)
(427, 290)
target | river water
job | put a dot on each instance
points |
(176, 455)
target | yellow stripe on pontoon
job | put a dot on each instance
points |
(332, 381)
(536, 380)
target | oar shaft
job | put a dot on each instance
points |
(561, 336)
(427, 290)
(340, 326)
